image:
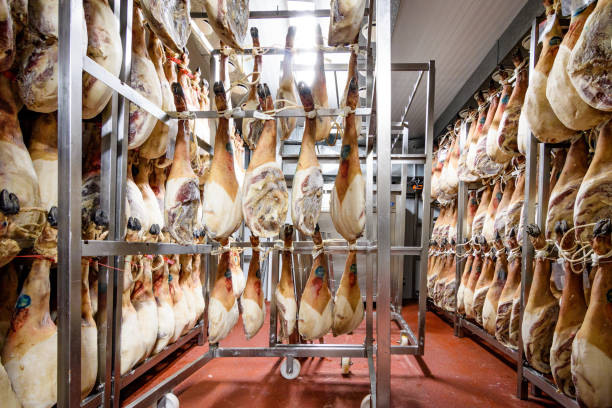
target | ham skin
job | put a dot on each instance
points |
(169, 20)
(488, 228)
(165, 305)
(477, 267)
(228, 18)
(491, 303)
(513, 212)
(499, 224)
(179, 300)
(145, 305)
(508, 130)
(493, 150)
(465, 276)
(238, 280)
(186, 263)
(348, 306)
(252, 127)
(252, 300)
(506, 298)
(286, 87)
(284, 294)
(345, 21)
(319, 91)
(43, 152)
(483, 284)
(223, 306)
(7, 42)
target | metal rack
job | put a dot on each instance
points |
(114, 167)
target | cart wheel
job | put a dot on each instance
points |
(404, 340)
(366, 402)
(295, 369)
(346, 365)
(168, 401)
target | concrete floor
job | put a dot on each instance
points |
(453, 373)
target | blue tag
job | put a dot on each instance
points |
(319, 272)
(169, 278)
(555, 41)
(482, 120)
(579, 10)
(23, 301)
(505, 99)
(346, 149)
(228, 274)
(228, 147)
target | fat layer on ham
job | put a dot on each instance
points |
(285, 290)
(252, 300)
(43, 152)
(169, 20)
(348, 306)
(223, 306)
(228, 18)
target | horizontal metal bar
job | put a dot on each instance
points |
(295, 350)
(122, 248)
(547, 387)
(281, 51)
(410, 350)
(93, 401)
(97, 71)
(404, 250)
(157, 358)
(328, 67)
(487, 338)
(238, 113)
(409, 66)
(264, 14)
(152, 396)
(395, 158)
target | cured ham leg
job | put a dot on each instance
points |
(104, 47)
(136, 206)
(571, 314)
(319, 91)
(7, 36)
(222, 207)
(179, 300)
(307, 190)
(141, 179)
(285, 291)
(6, 391)
(165, 306)
(265, 196)
(594, 201)
(563, 195)
(465, 276)
(144, 79)
(315, 313)
(499, 225)
(589, 66)
(43, 152)
(482, 248)
(482, 164)
(169, 20)
(448, 301)
(252, 300)
(186, 263)
(481, 212)
(542, 121)
(564, 100)
(144, 301)
(483, 284)
(223, 306)
(345, 21)
(592, 349)
(348, 306)
(471, 213)
(542, 308)
(493, 150)
(182, 197)
(438, 290)
(491, 303)
(432, 273)
(252, 127)
(513, 213)
(478, 131)
(507, 133)
(238, 280)
(488, 228)
(20, 221)
(506, 298)
(464, 172)
(229, 19)
(449, 182)
(30, 350)
(286, 87)
(157, 143)
(347, 203)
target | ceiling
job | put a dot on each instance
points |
(457, 35)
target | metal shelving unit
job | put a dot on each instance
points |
(376, 247)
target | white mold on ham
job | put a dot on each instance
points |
(345, 21)
(169, 20)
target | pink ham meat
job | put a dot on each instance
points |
(286, 87)
(564, 100)
(104, 47)
(21, 214)
(542, 120)
(590, 64)
(229, 19)
(345, 21)
(594, 199)
(307, 191)
(7, 36)
(143, 78)
(182, 197)
(265, 196)
(563, 195)
(592, 349)
(169, 20)
(252, 127)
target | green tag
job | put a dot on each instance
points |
(353, 269)
(228, 147)
(23, 301)
(169, 278)
(258, 274)
(555, 41)
(319, 272)
(346, 149)
(228, 274)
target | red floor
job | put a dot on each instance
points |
(453, 373)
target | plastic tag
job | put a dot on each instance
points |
(260, 115)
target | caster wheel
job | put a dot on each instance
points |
(168, 401)
(366, 402)
(295, 370)
(404, 340)
(346, 365)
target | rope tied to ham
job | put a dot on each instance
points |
(596, 259)
(514, 253)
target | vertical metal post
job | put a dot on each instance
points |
(400, 226)
(69, 114)
(273, 312)
(369, 257)
(383, 196)
(462, 198)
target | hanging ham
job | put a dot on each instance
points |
(136, 206)
(223, 305)
(542, 121)
(196, 277)
(471, 213)
(542, 308)
(222, 206)
(571, 314)
(7, 38)
(563, 195)
(589, 65)
(144, 301)
(448, 301)
(182, 197)
(482, 248)
(315, 317)
(307, 190)
(238, 280)
(144, 79)
(592, 349)
(463, 171)
(348, 306)
(567, 104)
(493, 150)
(482, 164)
(252, 300)
(92, 216)
(448, 178)
(157, 143)
(179, 300)
(345, 21)
(186, 265)
(252, 127)
(478, 126)
(499, 225)
(9, 284)
(21, 214)
(43, 152)
(6, 390)
(264, 191)
(319, 91)
(513, 213)
(229, 19)
(439, 268)
(465, 276)
(169, 20)
(506, 298)
(141, 179)
(488, 228)
(165, 305)
(347, 202)
(483, 284)
(284, 294)
(500, 275)
(286, 88)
